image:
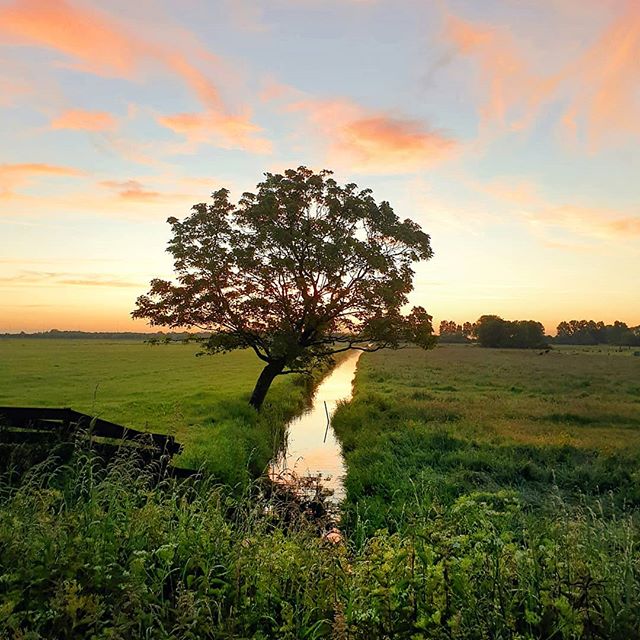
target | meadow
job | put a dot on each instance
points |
(490, 494)
(461, 418)
(202, 401)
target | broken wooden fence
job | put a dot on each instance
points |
(51, 427)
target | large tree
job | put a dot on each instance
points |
(301, 270)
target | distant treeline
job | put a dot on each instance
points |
(591, 332)
(493, 331)
(158, 336)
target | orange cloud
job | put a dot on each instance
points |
(607, 78)
(589, 221)
(373, 142)
(84, 120)
(131, 190)
(85, 34)
(48, 278)
(226, 131)
(579, 220)
(99, 44)
(274, 91)
(13, 176)
(96, 282)
(600, 84)
(514, 92)
(135, 191)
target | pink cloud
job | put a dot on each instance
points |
(13, 176)
(12, 88)
(84, 120)
(589, 221)
(512, 92)
(135, 191)
(373, 141)
(101, 45)
(606, 97)
(599, 85)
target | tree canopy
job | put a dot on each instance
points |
(493, 331)
(452, 332)
(590, 332)
(300, 270)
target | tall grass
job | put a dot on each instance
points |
(453, 530)
(119, 552)
(237, 447)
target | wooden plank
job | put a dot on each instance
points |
(29, 437)
(66, 420)
(23, 416)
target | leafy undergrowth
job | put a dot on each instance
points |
(96, 553)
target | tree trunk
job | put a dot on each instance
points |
(264, 382)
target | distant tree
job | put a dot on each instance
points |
(451, 332)
(618, 334)
(589, 332)
(490, 331)
(493, 331)
(450, 327)
(468, 329)
(526, 334)
(299, 271)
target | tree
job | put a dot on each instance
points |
(468, 329)
(299, 271)
(490, 331)
(589, 332)
(493, 331)
(526, 334)
(451, 332)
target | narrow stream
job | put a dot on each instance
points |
(307, 453)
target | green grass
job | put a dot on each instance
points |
(490, 494)
(104, 554)
(460, 419)
(165, 389)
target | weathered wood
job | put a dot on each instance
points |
(65, 421)
(14, 436)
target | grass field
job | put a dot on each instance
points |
(490, 494)
(164, 388)
(461, 418)
(509, 479)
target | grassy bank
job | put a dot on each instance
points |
(165, 389)
(429, 427)
(92, 554)
(493, 460)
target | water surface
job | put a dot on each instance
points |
(312, 449)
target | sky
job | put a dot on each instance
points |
(508, 129)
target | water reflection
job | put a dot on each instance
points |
(308, 452)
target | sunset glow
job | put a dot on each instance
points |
(508, 129)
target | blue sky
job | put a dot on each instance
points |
(508, 129)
